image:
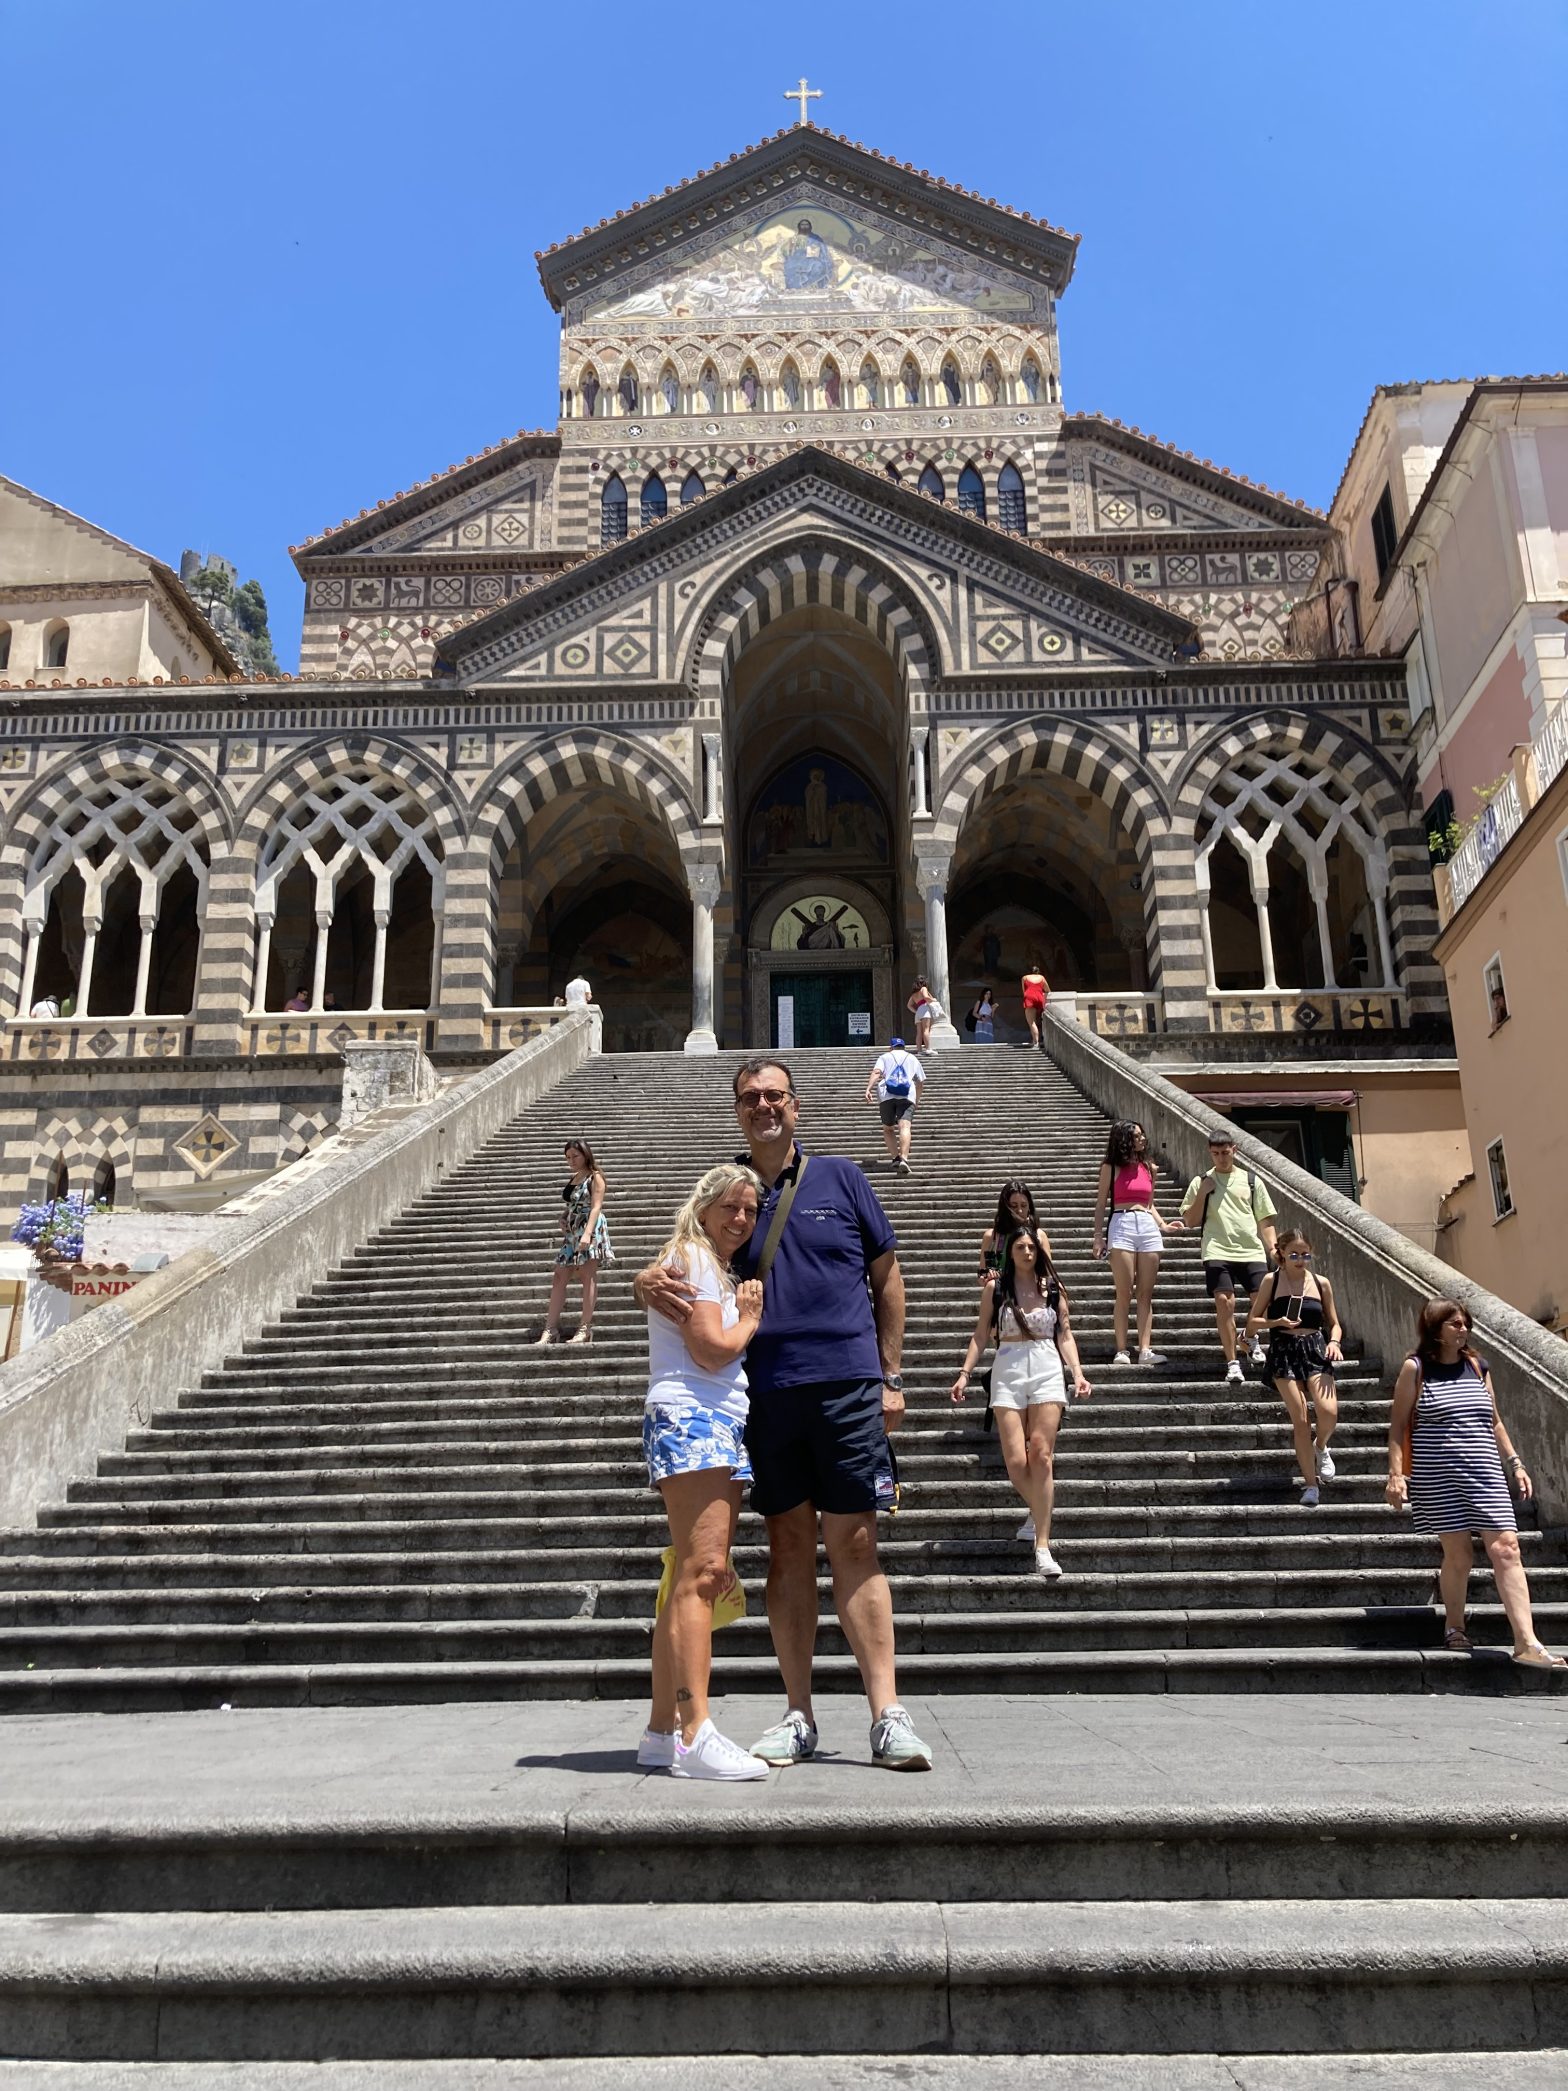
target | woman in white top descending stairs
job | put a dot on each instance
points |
(1024, 1311)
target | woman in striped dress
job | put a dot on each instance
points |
(1450, 1455)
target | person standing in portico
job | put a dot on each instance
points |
(825, 1391)
(578, 993)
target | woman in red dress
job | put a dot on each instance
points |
(1037, 991)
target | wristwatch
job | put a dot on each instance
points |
(895, 1380)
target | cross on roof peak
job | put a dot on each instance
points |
(803, 94)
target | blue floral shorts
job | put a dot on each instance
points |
(691, 1441)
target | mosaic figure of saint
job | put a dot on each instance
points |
(672, 393)
(590, 395)
(911, 383)
(831, 395)
(748, 387)
(817, 809)
(870, 385)
(789, 385)
(628, 391)
(821, 931)
(710, 388)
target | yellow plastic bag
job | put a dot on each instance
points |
(728, 1606)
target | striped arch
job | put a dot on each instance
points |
(1410, 902)
(82, 1142)
(585, 846)
(79, 775)
(309, 768)
(513, 794)
(1294, 733)
(745, 603)
(1065, 749)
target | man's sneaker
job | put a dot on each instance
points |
(710, 1755)
(1046, 1562)
(1258, 1356)
(1325, 1464)
(656, 1751)
(790, 1741)
(1121, 1358)
(1026, 1530)
(895, 1745)
(901, 1167)
(1309, 1499)
(1152, 1357)
(1234, 1376)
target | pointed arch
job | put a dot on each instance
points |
(655, 502)
(990, 382)
(1078, 752)
(627, 391)
(560, 766)
(708, 387)
(750, 386)
(971, 493)
(692, 489)
(1012, 507)
(931, 482)
(909, 382)
(588, 390)
(789, 386)
(830, 384)
(612, 510)
(870, 382)
(1029, 378)
(669, 390)
(952, 382)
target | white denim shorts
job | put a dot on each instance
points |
(1027, 1376)
(1135, 1229)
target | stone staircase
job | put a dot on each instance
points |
(390, 1496)
(1115, 1877)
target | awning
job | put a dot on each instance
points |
(1301, 1099)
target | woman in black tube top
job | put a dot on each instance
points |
(1297, 1309)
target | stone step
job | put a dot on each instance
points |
(357, 1595)
(1076, 1977)
(984, 1636)
(1261, 1668)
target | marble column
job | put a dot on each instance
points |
(931, 869)
(703, 882)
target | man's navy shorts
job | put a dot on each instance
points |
(822, 1444)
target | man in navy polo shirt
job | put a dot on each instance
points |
(825, 1391)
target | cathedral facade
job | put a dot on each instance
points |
(820, 645)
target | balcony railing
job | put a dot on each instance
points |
(1475, 856)
(1551, 749)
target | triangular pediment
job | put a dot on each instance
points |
(982, 602)
(497, 501)
(739, 193)
(1124, 484)
(811, 256)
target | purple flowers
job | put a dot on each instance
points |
(56, 1224)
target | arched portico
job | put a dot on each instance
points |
(822, 947)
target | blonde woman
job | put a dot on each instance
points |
(693, 1438)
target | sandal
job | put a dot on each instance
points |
(581, 1336)
(1534, 1657)
(1458, 1640)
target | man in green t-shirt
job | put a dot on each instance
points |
(1237, 1217)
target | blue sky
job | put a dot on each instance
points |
(269, 263)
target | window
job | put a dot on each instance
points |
(103, 1182)
(893, 473)
(692, 489)
(655, 501)
(1385, 532)
(57, 644)
(1496, 992)
(931, 483)
(1438, 819)
(612, 510)
(57, 1182)
(1497, 1168)
(1011, 512)
(5, 647)
(971, 493)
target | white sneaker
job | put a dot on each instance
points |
(1026, 1530)
(1121, 1358)
(1152, 1357)
(1325, 1464)
(1309, 1499)
(1046, 1562)
(656, 1751)
(1258, 1357)
(710, 1755)
(1234, 1376)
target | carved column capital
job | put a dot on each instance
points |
(704, 883)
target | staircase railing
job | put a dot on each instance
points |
(77, 1393)
(1383, 1277)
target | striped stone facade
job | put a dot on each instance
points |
(511, 744)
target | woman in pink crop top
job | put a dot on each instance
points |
(1129, 1228)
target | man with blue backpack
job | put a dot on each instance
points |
(896, 1078)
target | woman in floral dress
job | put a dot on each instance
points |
(585, 1242)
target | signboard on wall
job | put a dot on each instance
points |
(786, 1009)
(860, 1023)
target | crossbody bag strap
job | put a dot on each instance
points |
(781, 1213)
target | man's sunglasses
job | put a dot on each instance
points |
(752, 1099)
